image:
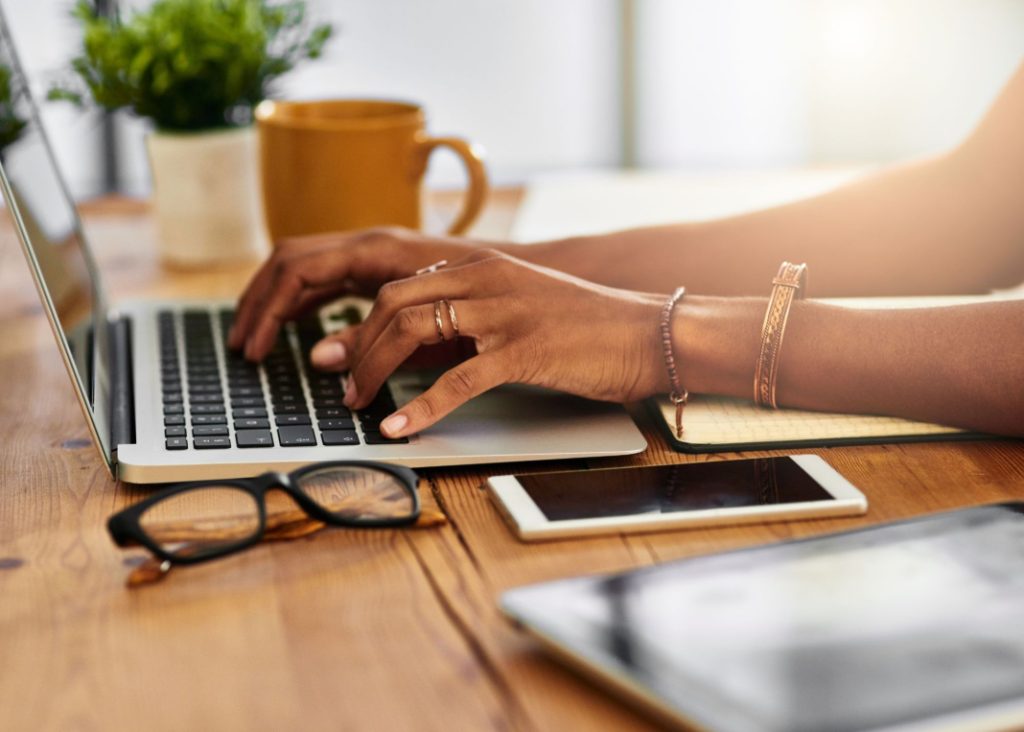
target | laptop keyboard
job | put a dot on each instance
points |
(213, 398)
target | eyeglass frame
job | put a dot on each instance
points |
(125, 526)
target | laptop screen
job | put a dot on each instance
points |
(43, 214)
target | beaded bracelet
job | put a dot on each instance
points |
(679, 395)
(789, 284)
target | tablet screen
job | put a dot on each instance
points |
(671, 488)
(864, 630)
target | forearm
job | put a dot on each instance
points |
(962, 366)
(924, 228)
(952, 224)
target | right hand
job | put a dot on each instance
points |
(305, 272)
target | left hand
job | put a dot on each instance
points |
(531, 325)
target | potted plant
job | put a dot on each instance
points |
(196, 69)
(11, 122)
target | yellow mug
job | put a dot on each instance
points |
(336, 165)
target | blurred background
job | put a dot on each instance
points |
(604, 84)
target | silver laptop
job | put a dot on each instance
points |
(165, 400)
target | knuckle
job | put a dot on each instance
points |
(387, 296)
(407, 321)
(426, 408)
(461, 382)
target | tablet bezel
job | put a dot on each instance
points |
(529, 523)
(708, 711)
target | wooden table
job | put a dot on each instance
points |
(344, 630)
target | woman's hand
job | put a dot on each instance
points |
(531, 325)
(308, 271)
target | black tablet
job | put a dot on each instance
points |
(916, 625)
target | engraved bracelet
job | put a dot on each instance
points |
(789, 284)
(679, 395)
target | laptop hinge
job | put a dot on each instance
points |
(122, 393)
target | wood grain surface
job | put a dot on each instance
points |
(341, 630)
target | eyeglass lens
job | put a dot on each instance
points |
(203, 520)
(211, 518)
(358, 494)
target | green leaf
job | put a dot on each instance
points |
(190, 64)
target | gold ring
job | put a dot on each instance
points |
(439, 322)
(432, 268)
(452, 317)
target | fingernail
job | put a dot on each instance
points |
(394, 424)
(351, 392)
(328, 353)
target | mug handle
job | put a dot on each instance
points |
(472, 157)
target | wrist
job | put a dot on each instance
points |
(716, 343)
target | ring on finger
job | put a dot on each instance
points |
(432, 267)
(439, 321)
(453, 318)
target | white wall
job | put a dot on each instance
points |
(787, 82)
(533, 81)
(44, 35)
(719, 83)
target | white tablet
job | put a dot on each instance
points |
(917, 625)
(658, 498)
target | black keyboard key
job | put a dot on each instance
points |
(290, 409)
(238, 402)
(174, 432)
(287, 398)
(207, 408)
(176, 443)
(289, 419)
(321, 402)
(175, 420)
(340, 437)
(336, 424)
(209, 419)
(204, 389)
(333, 413)
(207, 399)
(194, 381)
(174, 409)
(254, 438)
(209, 430)
(246, 391)
(172, 397)
(252, 423)
(376, 438)
(326, 381)
(211, 443)
(245, 412)
(297, 436)
(326, 392)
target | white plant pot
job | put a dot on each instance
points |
(206, 196)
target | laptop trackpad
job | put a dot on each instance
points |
(511, 407)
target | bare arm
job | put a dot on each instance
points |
(951, 224)
(960, 365)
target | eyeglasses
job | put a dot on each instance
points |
(190, 523)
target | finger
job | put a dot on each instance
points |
(411, 328)
(256, 290)
(455, 387)
(331, 352)
(476, 277)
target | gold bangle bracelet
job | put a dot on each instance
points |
(789, 284)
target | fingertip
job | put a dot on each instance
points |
(395, 425)
(329, 354)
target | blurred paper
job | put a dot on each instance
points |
(570, 204)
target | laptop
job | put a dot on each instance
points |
(165, 400)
